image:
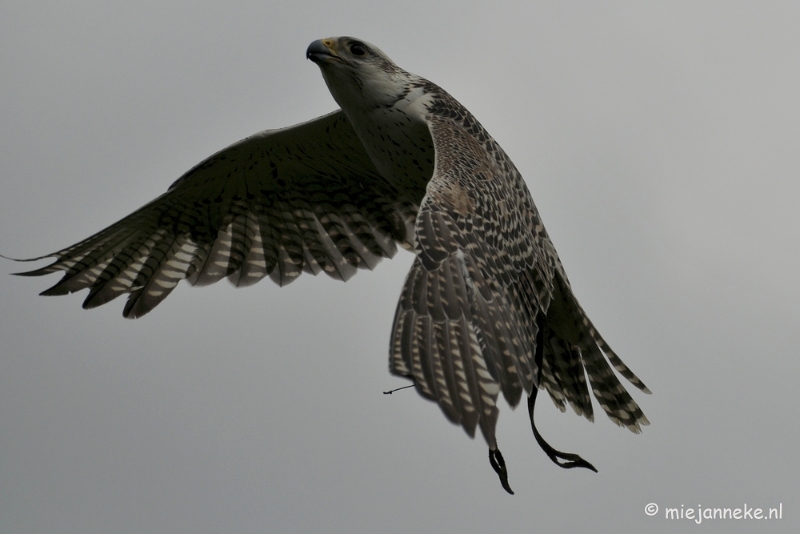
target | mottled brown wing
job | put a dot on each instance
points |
(278, 203)
(462, 331)
(466, 324)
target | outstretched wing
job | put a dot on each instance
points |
(485, 273)
(278, 203)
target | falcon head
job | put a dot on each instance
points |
(358, 74)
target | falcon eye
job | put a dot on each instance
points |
(358, 49)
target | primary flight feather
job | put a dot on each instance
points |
(486, 308)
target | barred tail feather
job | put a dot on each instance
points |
(573, 338)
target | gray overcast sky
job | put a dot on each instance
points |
(660, 141)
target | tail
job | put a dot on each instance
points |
(572, 345)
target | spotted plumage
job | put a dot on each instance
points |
(486, 308)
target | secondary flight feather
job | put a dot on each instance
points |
(487, 307)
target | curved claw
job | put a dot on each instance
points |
(499, 466)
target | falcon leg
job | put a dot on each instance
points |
(499, 466)
(570, 460)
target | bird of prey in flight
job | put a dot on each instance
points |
(486, 308)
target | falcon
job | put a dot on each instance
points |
(487, 307)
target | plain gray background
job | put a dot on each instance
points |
(661, 141)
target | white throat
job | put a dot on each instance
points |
(389, 113)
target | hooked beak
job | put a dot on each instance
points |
(320, 51)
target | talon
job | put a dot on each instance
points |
(499, 466)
